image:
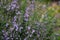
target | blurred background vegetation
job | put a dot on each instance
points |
(42, 21)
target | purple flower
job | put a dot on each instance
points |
(12, 38)
(26, 19)
(5, 34)
(7, 38)
(33, 1)
(26, 15)
(14, 1)
(16, 26)
(7, 24)
(32, 6)
(3, 31)
(13, 6)
(18, 12)
(15, 18)
(29, 27)
(33, 31)
(27, 9)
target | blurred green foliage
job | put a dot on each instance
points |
(45, 17)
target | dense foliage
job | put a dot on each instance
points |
(29, 20)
